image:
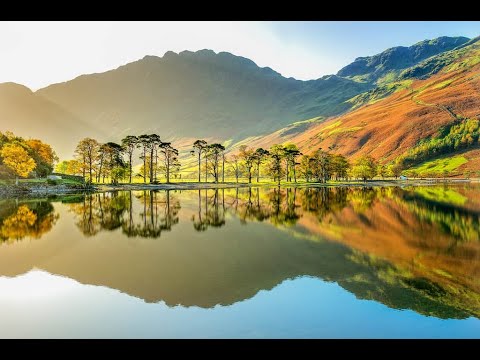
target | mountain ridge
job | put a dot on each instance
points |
(204, 94)
(373, 68)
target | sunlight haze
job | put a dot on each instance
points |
(37, 54)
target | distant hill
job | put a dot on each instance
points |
(388, 64)
(198, 94)
(432, 115)
(32, 116)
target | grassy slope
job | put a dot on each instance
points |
(438, 166)
(387, 128)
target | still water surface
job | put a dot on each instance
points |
(289, 263)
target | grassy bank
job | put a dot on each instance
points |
(41, 186)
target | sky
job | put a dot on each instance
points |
(37, 54)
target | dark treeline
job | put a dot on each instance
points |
(97, 162)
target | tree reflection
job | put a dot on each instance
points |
(32, 220)
(412, 247)
(115, 210)
(211, 210)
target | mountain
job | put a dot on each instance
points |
(216, 96)
(389, 63)
(430, 117)
(198, 94)
(27, 114)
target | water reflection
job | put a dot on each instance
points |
(155, 212)
(19, 220)
(412, 248)
(211, 210)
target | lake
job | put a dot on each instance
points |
(336, 262)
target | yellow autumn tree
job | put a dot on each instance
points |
(17, 159)
(18, 225)
(43, 150)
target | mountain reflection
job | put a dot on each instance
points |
(412, 248)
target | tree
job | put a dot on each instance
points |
(117, 173)
(129, 143)
(235, 166)
(44, 156)
(275, 168)
(445, 173)
(16, 158)
(321, 165)
(291, 153)
(259, 156)
(153, 142)
(304, 168)
(69, 167)
(365, 167)
(114, 160)
(74, 167)
(200, 146)
(145, 169)
(340, 166)
(102, 153)
(87, 152)
(144, 143)
(214, 151)
(170, 158)
(397, 169)
(62, 167)
(382, 171)
(248, 157)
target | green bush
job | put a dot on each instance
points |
(52, 182)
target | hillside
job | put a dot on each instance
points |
(386, 66)
(227, 98)
(422, 119)
(29, 115)
(198, 94)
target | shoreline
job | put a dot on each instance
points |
(37, 190)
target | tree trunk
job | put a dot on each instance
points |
(258, 172)
(90, 170)
(100, 170)
(294, 174)
(287, 171)
(151, 164)
(130, 163)
(144, 165)
(199, 170)
(168, 170)
(223, 168)
(16, 180)
(156, 164)
(206, 170)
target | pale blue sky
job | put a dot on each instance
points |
(37, 54)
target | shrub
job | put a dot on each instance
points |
(52, 182)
